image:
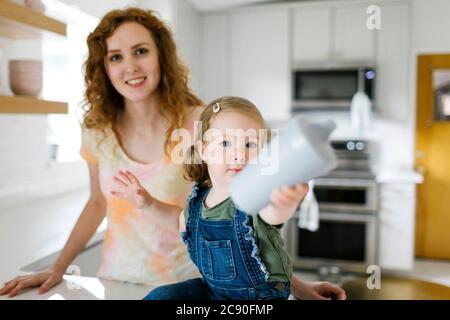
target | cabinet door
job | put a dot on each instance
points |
(393, 64)
(353, 41)
(214, 63)
(259, 61)
(311, 35)
(396, 226)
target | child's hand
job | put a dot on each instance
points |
(288, 198)
(131, 189)
(284, 201)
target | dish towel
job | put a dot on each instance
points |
(308, 217)
(361, 113)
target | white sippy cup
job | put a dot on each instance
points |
(304, 153)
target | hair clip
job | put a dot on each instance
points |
(216, 107)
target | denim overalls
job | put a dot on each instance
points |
(226, 255)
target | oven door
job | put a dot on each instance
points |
(346, 195)
(345, 240)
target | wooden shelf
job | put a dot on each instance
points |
(22, 104)
(20, 22)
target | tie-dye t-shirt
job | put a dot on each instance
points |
(137, 248)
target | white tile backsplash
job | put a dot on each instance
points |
(25, 168)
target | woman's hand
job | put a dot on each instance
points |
(305, 290)
(131, 189)
(44, 280)
(284, 202)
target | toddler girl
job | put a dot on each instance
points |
(240, 255)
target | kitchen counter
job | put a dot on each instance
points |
(399, 176)
(87, 288)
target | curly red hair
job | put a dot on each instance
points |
(103, 103)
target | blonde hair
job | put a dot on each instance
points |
(103, 104)
(194, 168)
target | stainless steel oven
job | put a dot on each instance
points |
(346, 240)
(346, 194)
(348, 205)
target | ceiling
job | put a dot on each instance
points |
(210, 5)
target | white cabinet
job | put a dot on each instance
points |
(332, 34)
(393, 54)
(259, 60)
(247, 54)
(214, 54)
(396, 226)
(311, 34)
(353, 40)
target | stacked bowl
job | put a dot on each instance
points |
(25, 77)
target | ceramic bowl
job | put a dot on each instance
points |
(25, 77)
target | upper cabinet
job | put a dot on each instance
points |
(332, 34)
(259, 60)
(353, 39)
(393, 51)
(312, 34)
(251, 53)
(214, 66)
(18, 22)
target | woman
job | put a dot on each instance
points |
(137, 94)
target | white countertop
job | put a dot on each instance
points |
(399, 176)
(87, 288)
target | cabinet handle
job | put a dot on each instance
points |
(421, 169)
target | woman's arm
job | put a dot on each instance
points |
(166, 214)
(91, 217)
(86, 225)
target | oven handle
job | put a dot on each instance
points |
(347, 217)
(344, 182)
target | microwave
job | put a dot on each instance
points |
(331, 88)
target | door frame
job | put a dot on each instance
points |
(425, 63)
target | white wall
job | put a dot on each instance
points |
(214, 48)
(100, 7)
(164, 7)
(187, 36)
(430, 25)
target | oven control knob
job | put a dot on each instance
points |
(360, 145)
(350, 145)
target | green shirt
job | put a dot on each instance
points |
(268, 239)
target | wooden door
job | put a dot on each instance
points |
(433, 157)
